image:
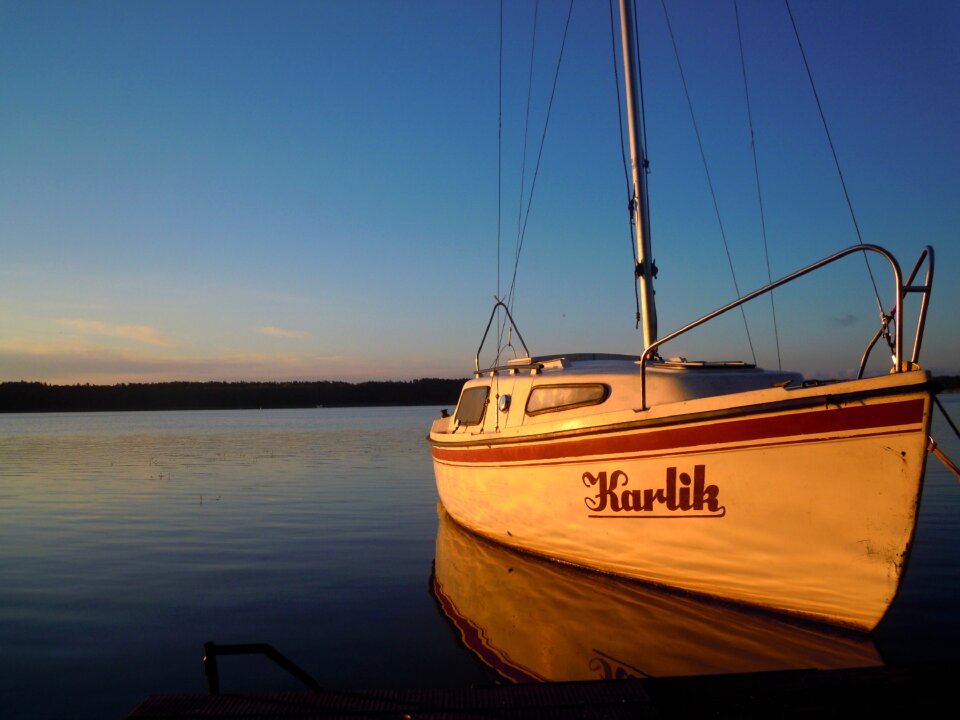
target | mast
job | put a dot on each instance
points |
(645, 269)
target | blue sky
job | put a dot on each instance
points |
(253, 190)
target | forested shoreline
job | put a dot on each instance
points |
(42, 397)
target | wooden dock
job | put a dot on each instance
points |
(917, 691)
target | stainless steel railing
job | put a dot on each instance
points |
(499, 304)
(896, 314)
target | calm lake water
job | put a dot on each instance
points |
(129, 539)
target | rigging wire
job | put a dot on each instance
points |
(706, 169)
(533, 183)
(499, 163)
(526, 119)
(499, 197)
(523, 156)
(623, 157)
(883, 316)
(616, 85)
(932, 445)
(756, 172)
(947, 417)
(643, 128)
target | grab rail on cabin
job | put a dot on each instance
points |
(499, 304)
(896, 314)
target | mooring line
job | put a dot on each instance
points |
(946, 416)
(951, 466)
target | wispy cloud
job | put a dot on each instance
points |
(845, 320)
(81, 362)
(282, 333)
(141, 333)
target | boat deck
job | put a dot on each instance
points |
(916, 691)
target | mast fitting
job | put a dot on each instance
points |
(640, 269)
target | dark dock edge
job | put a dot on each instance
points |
(924, 690)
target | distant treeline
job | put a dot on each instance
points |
(950, 383)
(41, 397)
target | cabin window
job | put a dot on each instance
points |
(472, 403)
(551, 398)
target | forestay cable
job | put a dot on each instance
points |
(756, 173)
(836, 161)
(536, 172)
(502, 325)
(526, 119)
(706, 169)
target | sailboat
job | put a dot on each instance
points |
(715, 478)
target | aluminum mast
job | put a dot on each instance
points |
(641, 214)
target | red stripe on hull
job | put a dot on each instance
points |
(674, 453)
(809, 422)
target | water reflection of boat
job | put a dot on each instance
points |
(535, 620)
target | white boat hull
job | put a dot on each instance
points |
(804, 509)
